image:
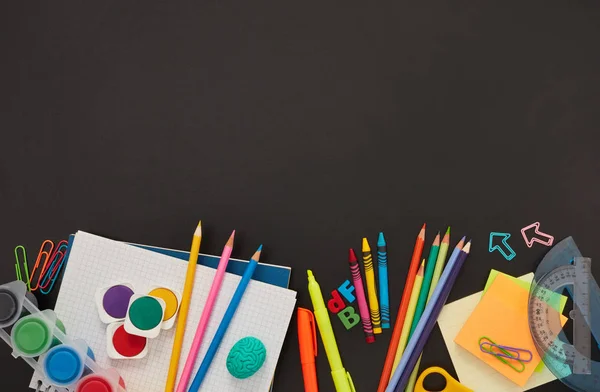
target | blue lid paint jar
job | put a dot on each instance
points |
(63, 365)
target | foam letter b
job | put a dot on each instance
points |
(349, 317)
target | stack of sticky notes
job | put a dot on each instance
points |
(498, 313)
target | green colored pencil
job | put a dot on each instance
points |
(439, 264)
(429, 267)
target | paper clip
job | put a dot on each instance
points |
(45, 254)
(56, 262)
(18, 265)
(488, 346)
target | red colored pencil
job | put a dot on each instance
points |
(410, 281)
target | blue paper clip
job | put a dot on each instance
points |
(53, 271)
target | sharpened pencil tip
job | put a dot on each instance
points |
(446, 239)
(436, 241)
(198, 232)
(421, 270)
(381, 239)
(365, 245)
(422, 232)
(256, 255)
(467, 247)
(310, 274)
(230, 240)
(461, 243)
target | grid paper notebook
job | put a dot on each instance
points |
(264, 312)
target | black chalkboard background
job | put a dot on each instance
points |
(305, 126)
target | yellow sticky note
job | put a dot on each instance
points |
(501, 315)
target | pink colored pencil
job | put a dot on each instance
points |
(208, 307)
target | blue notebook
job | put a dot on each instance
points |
(275, 275)
(268, 273)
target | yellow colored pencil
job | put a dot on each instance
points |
(439, 266)
(371, 289)
(183, 309)
(410, 313)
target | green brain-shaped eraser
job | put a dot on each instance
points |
(246, 357)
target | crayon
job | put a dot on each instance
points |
(359, 291)
(371, 289)
(383, 281)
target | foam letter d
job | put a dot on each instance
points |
(336, 303)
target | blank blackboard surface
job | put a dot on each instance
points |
(305, 126)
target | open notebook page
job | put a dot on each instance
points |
(264, 312)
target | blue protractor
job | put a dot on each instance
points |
(564, 268)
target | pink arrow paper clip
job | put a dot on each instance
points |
(546, 239)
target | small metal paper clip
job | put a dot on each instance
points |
(19, 261)
(506, 354)
(56, 263)
(45, 255)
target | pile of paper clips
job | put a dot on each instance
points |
(511, 356)
(47, 267)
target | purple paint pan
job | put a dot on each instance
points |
(112, 302)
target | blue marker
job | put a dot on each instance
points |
(233, 305)
(383, 281)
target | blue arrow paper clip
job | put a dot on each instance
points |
(511, 253)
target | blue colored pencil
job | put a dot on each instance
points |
(384, 296)
(432, 311)
(233, 305)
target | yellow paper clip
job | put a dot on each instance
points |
(56, 262)
(24, 263)
(45, 251)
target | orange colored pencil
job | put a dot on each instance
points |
(408, 286)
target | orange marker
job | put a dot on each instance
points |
(307, 340)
